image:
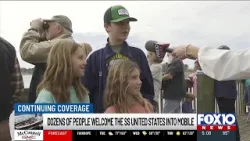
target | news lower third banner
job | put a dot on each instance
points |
(71, 122)
(75, 121)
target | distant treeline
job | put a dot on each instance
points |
(26, 70)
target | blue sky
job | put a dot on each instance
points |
(201, 23)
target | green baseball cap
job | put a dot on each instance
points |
(117, 13)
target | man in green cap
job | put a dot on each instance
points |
(116, 23)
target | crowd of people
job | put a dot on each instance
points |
(117, 78)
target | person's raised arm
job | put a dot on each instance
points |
(33, 51)
(218, 64)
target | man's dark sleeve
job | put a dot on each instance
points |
(89, 79)
(147, 88)
(176, 67)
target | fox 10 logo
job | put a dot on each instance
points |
(216, 122)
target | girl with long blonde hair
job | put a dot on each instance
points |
(122, 93)
(61, 81)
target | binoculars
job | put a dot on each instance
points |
(45, 25)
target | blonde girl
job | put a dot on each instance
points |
(122, 93)
(61, 83)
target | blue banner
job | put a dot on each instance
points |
(53, 108)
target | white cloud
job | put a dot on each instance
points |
(200, 23)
